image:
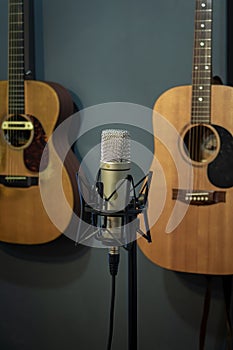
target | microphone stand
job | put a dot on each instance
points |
(138, 205)
(132, 296)
(132, 284)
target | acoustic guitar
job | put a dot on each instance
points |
(191, 198)
(29, 113)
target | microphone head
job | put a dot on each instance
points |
(115, 146)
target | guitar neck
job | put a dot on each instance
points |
(202, 63)
(16, 57)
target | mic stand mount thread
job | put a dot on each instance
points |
(96, 212)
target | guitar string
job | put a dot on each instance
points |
(199, 128)
(194, 133)
(14, 57)
(12, 85)
(208, 75)
(196, 77)
(15, 76)
(6, 145)
(9, 131)
(14, 82)
(200, 75)
(200, 80)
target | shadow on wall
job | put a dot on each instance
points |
(53, 264)
(178, 287)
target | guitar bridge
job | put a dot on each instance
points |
(199, 197)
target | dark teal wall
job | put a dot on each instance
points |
(56, 297)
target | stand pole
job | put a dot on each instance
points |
(132, 296)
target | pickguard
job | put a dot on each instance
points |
(220, 170)
(33, 153)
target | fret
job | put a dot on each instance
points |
(202, 96)
(15, 104)
(12, 69)
(204, 11)
(17, 82)
(15, 39)
(200, 104)
(18, 89)
(16, 79)
(15, 21)
(200, 110)
(16, 110)
(201, 120)
(15, 55)
(198, 107)
(208, 31)
(201, 44)
(200, 80)
(18, 22)
(16, 49)
(19, 62)
(203, 56)
(18, 52)
(203, 20)
(201, 71)
(204, 72)
(16, 5)
(15, 66)
(200, 114)
(195, 86)
(203, 36)
(16, 31)
(197, 94)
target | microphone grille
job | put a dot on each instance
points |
(115, 145)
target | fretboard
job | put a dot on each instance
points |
(202, 63)
(16, 57)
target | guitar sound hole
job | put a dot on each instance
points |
(201, 143)
(18, 131)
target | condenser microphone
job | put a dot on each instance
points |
(114, 171)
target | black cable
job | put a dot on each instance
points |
(112, 313)
(114, 258)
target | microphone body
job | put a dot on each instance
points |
(114, 169)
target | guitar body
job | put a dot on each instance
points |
(197, 235)
(23, 217)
